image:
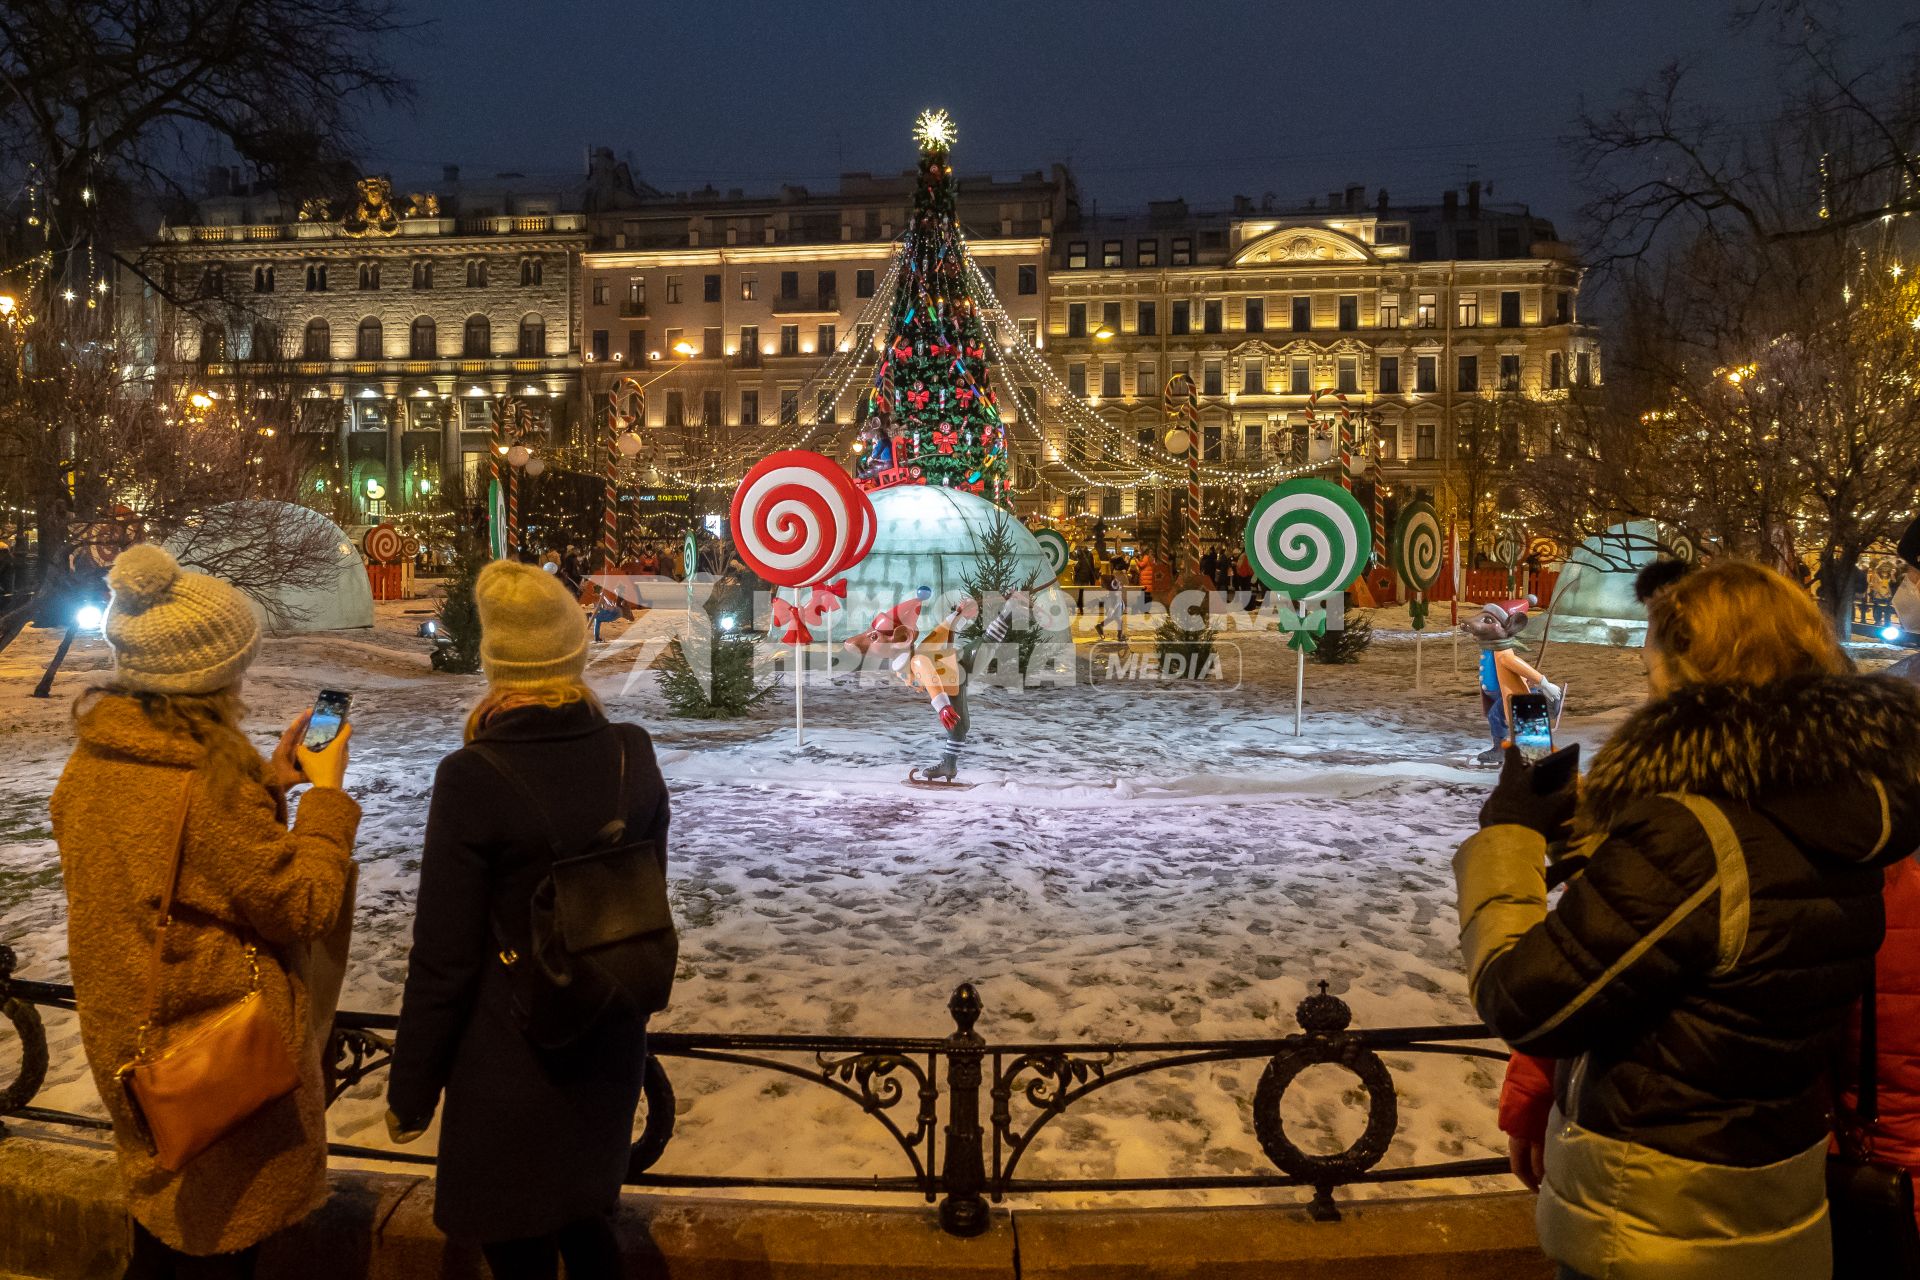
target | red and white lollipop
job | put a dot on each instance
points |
(798, 519)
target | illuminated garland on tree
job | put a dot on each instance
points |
(932, 417)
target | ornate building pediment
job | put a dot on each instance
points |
(1302, 244)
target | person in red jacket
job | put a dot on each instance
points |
(1893, 1138)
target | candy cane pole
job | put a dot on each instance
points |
(1193, 498)
(610, 508)
(493, 468)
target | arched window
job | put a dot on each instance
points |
(368, 345)
(530, 270)
(478, 338)
(265, 343)
(318, 344)
(213, 342)
(476, 273)
(421, 343)
(263, 278)
(533, 335)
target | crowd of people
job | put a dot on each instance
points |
(1686, 1013)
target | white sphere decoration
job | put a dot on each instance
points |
(518, 455)
(1178, 441)
(534, 467)
(627, 443)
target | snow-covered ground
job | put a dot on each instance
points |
(1140, 861)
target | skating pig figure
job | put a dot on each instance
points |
(1503, 672)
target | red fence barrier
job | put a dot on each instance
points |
(388, 581)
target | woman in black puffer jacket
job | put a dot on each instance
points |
(1695, 975)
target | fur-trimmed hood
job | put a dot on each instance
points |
(1815, 755)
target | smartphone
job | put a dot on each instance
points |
(1532, 726)
(329, 714)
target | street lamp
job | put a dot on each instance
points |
(1103, 334)
(683, 349)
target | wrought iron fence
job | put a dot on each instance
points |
(999, 1097)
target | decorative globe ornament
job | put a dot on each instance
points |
(628, 443)
(1178, 441)
(518, 455)
(535, 466)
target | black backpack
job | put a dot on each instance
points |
(600, 939)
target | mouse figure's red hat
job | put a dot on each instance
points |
(1505, 609)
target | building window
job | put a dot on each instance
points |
(749, 288)
(1210, 442)
(863, 284)
(1425, 311)
(1466, 243)
(827, 286)
(1426, 244)
(789, 405)
(1509, 241)
(636, 295)
(1562, 308)
(636, 347)
(673, 289)
(477, 338)
(1145, 319)
(676, 409)
(1467, 311)
(1027, 282)
(367, 346)
(1213, 315)
(423, 274)
(1250, 440)
(1110, 317)
(1253, 376)
(263, 278)
(672, 339)
(711, 412)
(1076, 319)
(533, 336)
(1182, 318)
(1143, 378)
(263, 341)
(789, 339)
(1182, 251)
(1300, 376)
(476, 273)
(710, 288)
(1509, 373)
(1077, 380)
(1349, 312)
(1390, 312)
(1582, 369)
(316, 277)
(825, 338)
(1110, 253)
(213, 282)
(421, 339)
(601, 348)
(1110, 379)
(1424, 449)
(1509, 308)
(1468, 374)
(532, 271)
(1556, 371)
(1030, 332)
(1146, 253)
(749, 346)
(750, 406)
(1389, 375)
(1256, 315)
(1077, 254)
(318, 343)
(601, 291)
(1347, 373)
(1302, 314)
(1212, 378)
(213, 342)
(1426, 373)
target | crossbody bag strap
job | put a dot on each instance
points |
(1730, 869)
(166, 916)
(507, 771)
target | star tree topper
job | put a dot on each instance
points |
(934, 129)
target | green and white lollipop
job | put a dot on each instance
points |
(1054, 547)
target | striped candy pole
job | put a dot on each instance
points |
(610, 506)
(513, 490)
(1193, 480)
(493, 469)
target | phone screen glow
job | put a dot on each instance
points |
(1533, 734)
(329, 713)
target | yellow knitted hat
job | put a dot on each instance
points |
(532, 631)
(172, 631)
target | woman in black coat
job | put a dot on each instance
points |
(533, 1143)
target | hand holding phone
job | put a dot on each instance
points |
(1531, 719)
(323, 747)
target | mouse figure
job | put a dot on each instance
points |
(938, 662)
(1503, 672)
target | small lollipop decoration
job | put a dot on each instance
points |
(798, 521)
(1306, 540)
(1054, 547)
(1415, 552)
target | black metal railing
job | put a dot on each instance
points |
(1000, 1097)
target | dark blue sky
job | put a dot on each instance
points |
(1143, 98)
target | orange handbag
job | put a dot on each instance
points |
(215, 1070)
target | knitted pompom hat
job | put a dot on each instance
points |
(172, 631)
(532, 631)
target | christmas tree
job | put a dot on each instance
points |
(931, 416)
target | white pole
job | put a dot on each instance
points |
(1300, 679)
(1419, 648)
(799, 688)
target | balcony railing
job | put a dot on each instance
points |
(805, 303)
(999, 1098)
